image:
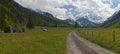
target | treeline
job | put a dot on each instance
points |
(11, 13)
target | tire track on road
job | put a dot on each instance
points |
(79, 45)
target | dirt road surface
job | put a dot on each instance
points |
(78, 45)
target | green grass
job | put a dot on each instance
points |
(102, 36)
(35, 41)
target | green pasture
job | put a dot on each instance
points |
(53, 41)
(106, 37)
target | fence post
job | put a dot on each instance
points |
(92, 33)
(113, 36)
(99, 34)
(86, 31)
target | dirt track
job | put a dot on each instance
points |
(79, 45)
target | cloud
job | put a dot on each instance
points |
(64, 9)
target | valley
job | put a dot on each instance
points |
(52, 26)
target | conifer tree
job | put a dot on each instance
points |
(30, 24)
(76, 24)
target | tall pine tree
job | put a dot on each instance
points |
(76, 24)
(2, 18)
(30, 24)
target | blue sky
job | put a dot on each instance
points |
(113, 3)
(64, 9)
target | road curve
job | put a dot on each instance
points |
(78, 45)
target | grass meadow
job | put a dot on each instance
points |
(106, 37)
(53, 41)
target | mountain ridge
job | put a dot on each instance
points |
(12, 13)
(113, 21)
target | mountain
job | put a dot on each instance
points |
(70, 21)
(11, 13)
(113, 21)
(85, 21)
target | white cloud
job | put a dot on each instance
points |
(83, 7)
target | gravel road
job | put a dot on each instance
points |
(78, 45)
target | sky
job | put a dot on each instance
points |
(72, 9)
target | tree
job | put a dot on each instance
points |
(76, 24)
(30, 24)
(2, 18)
(55, 25)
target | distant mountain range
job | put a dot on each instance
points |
(93, 20)
(113, 21)
(85, 21)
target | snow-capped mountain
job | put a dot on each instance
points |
(70, 21)
(88, 20)
(84, 22)
(91, 17)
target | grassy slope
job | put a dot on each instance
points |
(35, 42)
(19, 15)
(116, 25)
(113, 21)
(113, 24)
(102, 36)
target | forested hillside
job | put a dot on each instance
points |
(113, 21)
(11, 13)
